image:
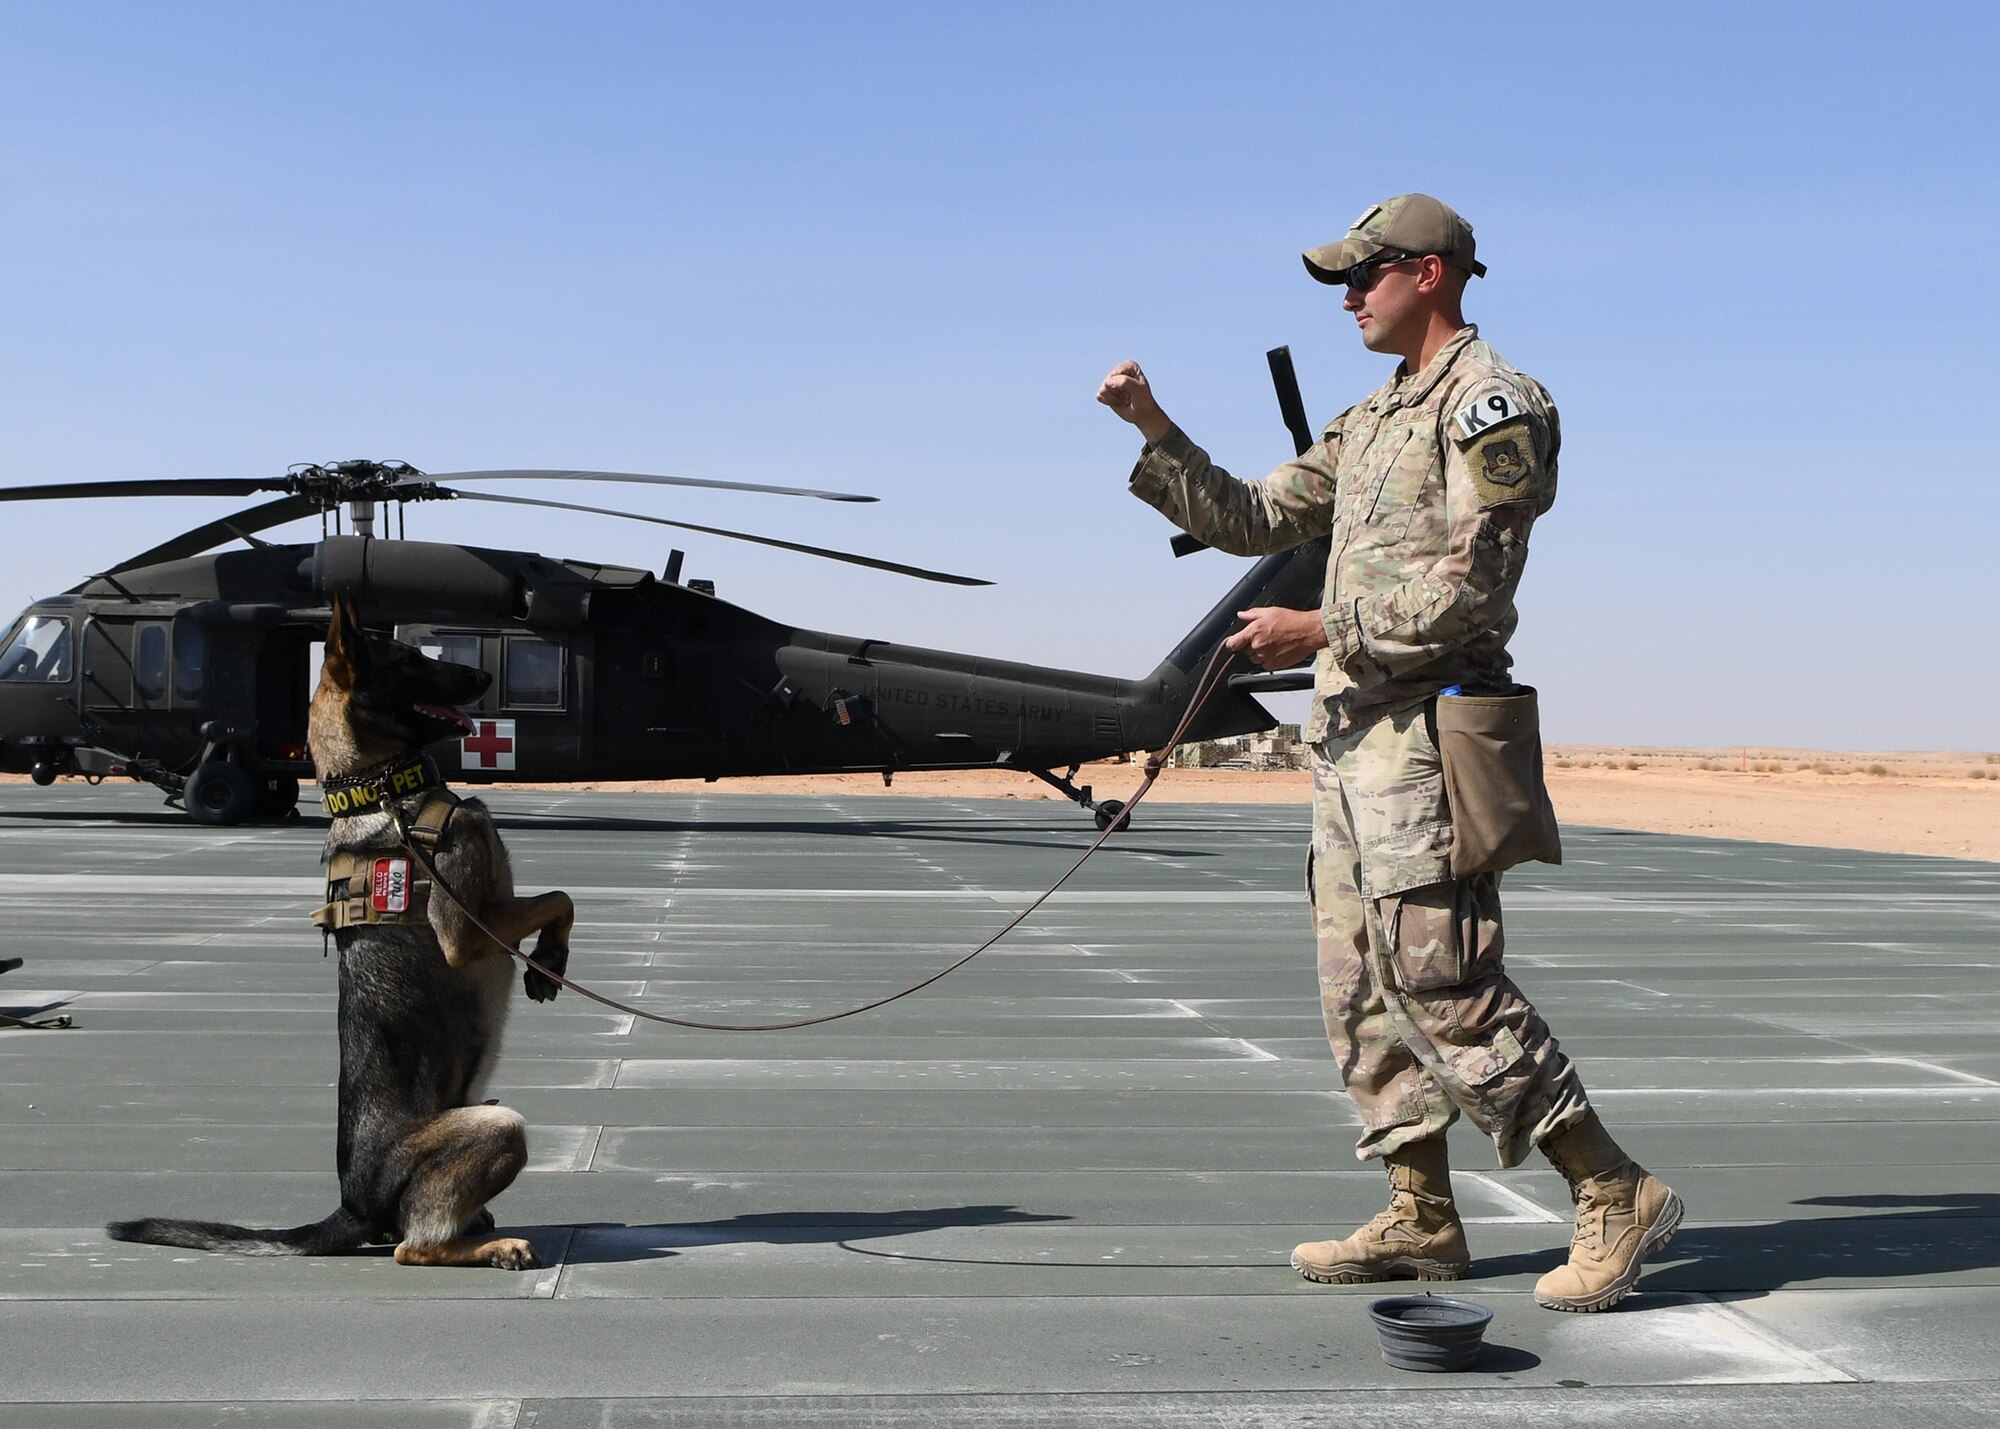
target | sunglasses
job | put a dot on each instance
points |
(1368, 272)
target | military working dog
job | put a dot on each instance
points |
(423, 991)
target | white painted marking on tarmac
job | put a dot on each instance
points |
(1531, 1210)
(1622, 982)
(1257, 1054)
(1759, 1332)
(1186, 1011)
(1951, 1072)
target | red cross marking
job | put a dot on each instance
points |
(488, 743)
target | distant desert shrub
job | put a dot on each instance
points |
(1631, 764)
(1878, 769)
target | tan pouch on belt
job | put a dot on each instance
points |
(1500, 810)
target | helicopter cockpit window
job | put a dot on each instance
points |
(38, 651)
(534, 673)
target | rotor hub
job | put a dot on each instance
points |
(360, 480)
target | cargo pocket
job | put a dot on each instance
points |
(1422, 926)
(1476, 1066)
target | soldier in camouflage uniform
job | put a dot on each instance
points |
(1428, 488)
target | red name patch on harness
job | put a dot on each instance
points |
(389, 886)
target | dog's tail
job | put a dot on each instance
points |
(343, 1230)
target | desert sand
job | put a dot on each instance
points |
(1930, 803)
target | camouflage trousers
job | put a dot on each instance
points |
(1423, 1019)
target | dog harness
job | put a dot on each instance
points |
(375, 886)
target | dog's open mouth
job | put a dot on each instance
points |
(445, 714)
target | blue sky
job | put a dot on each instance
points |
(893, 248)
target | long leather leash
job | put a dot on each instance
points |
(1211, 680)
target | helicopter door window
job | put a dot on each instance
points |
(149, 664)
(534, 675)
(190, 660)
(38, 651)
(452, 649)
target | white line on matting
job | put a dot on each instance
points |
(1257, 1054)
(1951, 1072)
(1757, 1330)
(1636, 987)
(1530, 1210)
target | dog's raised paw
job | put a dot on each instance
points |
(552, 955)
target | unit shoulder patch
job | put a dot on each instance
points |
(1502, 464)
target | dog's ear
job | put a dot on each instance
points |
(346, 646)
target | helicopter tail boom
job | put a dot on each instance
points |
(1289, 578)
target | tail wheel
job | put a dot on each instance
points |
(220, 793)
(1108, 810)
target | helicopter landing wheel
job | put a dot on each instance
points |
(1108, 810)
(277, 796)
(220, 793)
(44, 773)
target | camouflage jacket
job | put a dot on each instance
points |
(1427, 489)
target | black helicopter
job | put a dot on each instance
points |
(190, 668)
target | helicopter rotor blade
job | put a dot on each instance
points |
(637, 476)
(919, 572)
(243, 525)
(153, 486)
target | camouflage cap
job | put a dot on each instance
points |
(1408, 223)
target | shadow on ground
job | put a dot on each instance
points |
(1906, 1238)
(609, 1243)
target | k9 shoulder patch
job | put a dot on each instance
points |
(389, 885)
(1488, 409)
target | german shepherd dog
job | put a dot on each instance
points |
(422, 1002)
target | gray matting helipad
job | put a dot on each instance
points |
(1060, 1187)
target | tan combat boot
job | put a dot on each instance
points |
(1417, 1238)
(1623, 1214)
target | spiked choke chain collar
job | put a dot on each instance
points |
(378, 785)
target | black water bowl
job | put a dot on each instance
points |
(1429, 1332)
